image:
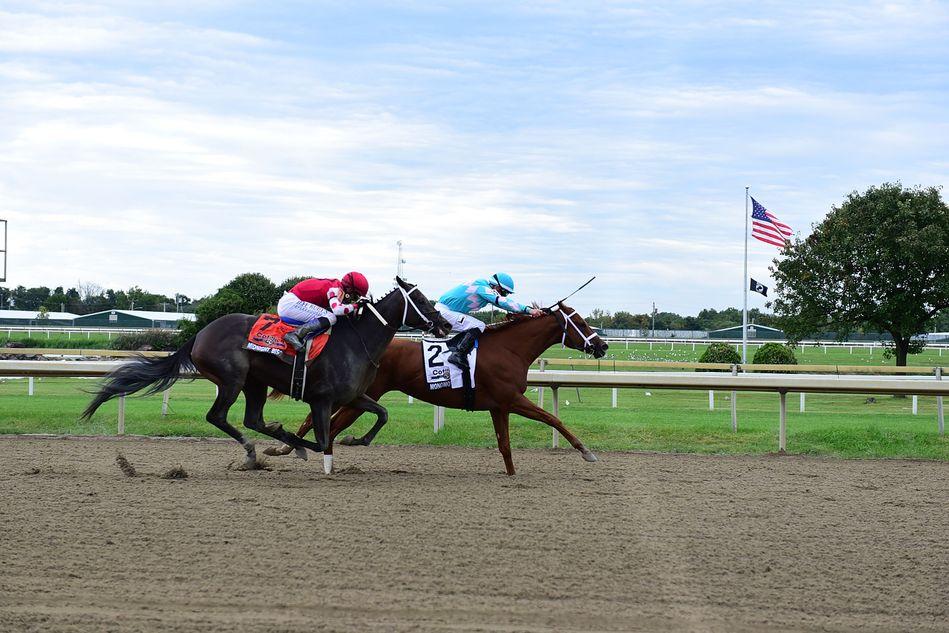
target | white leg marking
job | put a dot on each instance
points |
(327, 464)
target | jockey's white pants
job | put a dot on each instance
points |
(459, 322)
(292, 307)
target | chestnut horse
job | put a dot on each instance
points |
(505, 352)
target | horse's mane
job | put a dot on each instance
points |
(391, 290)
(510, 320)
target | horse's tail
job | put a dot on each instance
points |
(157, 374)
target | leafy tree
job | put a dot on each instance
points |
(599, 318)
(250, 293)
(29, 298)
(623, 320)
(879, 261)
(286, 284)
(940, 322)
(256, 292)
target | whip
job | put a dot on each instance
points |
(574, 292)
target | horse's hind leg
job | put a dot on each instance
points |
(217, 415)
(347, 415)
(286, 449)
(255, 395)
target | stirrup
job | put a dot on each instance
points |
(461, 362)
(295, 342)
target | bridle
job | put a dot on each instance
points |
(407, 296)
(568, 319)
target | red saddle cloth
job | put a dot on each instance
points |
(267, 336)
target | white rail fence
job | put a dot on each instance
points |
(939, 344)
(782, 384)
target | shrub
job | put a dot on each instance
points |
(255, 292)
(58, 341)
(720, 353)
(291, 282)
(157, 340)
(774, 354)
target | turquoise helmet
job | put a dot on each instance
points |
(504, 280)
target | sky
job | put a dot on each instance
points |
(175, 145)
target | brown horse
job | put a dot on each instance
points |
(505, 352)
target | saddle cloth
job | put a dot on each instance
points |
(267, 334)
(439, 373)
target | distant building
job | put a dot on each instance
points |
(755, 331)
(132, 319)
(25, 318)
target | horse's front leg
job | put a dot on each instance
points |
(523, 406)
(501, 420)
(348, 414)
(320, 414)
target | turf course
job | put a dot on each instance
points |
(668, 421)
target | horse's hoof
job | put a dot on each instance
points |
(588, 456)
(349, 440)
(300, 453)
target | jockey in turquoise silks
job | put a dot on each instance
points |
(456, 305)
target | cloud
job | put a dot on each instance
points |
(152, 145)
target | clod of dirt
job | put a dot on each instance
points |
(125, 466)
(32, 471)
(177, 472)
(350, 470)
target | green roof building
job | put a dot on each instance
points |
(132, 319)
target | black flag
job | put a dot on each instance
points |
(759, 287)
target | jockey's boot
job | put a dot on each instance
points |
(298, 337)
(466, 342)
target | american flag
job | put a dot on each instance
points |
(767, 228)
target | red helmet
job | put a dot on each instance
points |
(356, 283)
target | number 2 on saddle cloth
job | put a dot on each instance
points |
(267, 336)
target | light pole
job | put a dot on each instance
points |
(400, 265)
(653, 332)
(3, 274)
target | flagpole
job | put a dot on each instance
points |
(744, 310)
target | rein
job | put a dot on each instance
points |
(363, 341)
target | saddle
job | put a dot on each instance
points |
(267, 336)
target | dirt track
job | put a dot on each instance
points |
(437, 539)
